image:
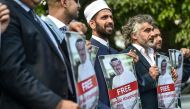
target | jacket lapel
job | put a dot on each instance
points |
(142, 59)
(41, 29)
(103, 50)
(60, 54)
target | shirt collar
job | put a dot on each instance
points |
(24, 6)
(149, 55)
(142, 50)
(106, 43)
(57, 22)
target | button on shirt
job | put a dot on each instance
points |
(149, 56)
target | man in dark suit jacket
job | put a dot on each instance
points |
(139, 35)
(100, 20)
(33, 71)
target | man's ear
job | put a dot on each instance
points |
(133, 35)
(64, 2)
(92, 24)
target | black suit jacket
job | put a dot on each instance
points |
(103, 92)
(186, 69)
(32, 74)
(147, 86)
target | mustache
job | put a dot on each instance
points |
(109, 25)
(151, 40)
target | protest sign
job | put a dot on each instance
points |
(165, 87)
(121, 81)
(82, 71)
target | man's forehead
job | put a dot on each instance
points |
(156, 30)
(146, 25)
(104, 11)
(116, 61)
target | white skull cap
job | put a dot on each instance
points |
(94, 8)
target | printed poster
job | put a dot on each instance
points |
(93, 53)
(165, 87)
(121, 81)
(83, 71)
(176, 58)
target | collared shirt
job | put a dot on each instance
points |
(149, 56)
(57, 22)
(106, 43)
(62, 27)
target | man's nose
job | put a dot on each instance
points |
(110, 20)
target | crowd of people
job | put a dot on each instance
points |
(35, 71)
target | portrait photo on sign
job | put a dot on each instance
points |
(83, 71)
(165, 85)
(176, 58)
(121, 81)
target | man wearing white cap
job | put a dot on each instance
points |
(100, 20)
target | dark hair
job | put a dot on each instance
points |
(163, 61)
(113, 59)
(78, 40)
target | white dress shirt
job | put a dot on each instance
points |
(106, 43)
(57, 22)
(149, 56)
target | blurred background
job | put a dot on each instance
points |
(171, 16)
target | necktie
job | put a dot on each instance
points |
(63, 50)
(63, 29)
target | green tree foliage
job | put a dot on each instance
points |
(42, 8)
(172, 16)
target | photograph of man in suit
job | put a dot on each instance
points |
(162, 73)
(85, 71)
(4, 17)
(138, 33)
(84, 62)
(163, 67)
(33, 68)
(166, 99)
(123, 77)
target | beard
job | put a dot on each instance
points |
(103, 32)
(150, 42)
